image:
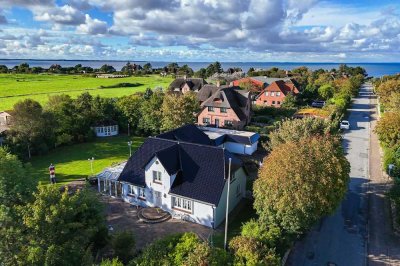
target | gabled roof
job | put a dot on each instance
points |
(194, 84)
(282, 86)
(229, 97)
(201, 169)
(206, 92)
(268, 80)
(188, 133)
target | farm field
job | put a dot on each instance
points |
(72, 163)
(16, 87)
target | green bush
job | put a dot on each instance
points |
(123, 245)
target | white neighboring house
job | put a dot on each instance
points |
(235, 141)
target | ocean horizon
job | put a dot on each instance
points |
(373, 69)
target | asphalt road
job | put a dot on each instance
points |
(341, 239)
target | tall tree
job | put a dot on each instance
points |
(130, 107)
(151, 113)
(300, 182)
(174, 117)
(62, 227)
(16, 187)
(31, 126)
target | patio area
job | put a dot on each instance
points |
(123, 216)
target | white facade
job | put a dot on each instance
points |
(106, 131)
(240, 148)
(156, 194)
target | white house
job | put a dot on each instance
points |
(184, 179)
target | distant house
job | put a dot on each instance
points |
(185, 85)
(275, 93)
(259, 82)
(5, 120)
(226, 107)
(184, 178)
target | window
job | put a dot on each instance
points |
(142, 193)
(266, 93)
(223, 109)
(228, 122)
(210, 108)
(131, 190)
(278, 93)
(273, 102)
(206, 121)
(157, 177)
(238, 190)
(272, 93)
(278, 102)
(183, 204)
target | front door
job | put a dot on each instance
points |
(217, 122)
(157, 199)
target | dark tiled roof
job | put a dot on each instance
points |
(229, 97)
(187, 133)
(194, 84)
(201, 169)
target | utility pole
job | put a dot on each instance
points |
(227, 205)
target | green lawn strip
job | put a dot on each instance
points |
(14, 88)
(72, 163)
(235, 226)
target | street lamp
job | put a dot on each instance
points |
(91, 164)
(130, 148)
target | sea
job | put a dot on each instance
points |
(373, 69)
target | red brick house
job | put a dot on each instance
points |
(275, 93)
(226, 107)
(250, 84)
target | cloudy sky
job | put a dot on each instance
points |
(202, 30)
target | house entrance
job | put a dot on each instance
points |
(217, 122)
(157, 198)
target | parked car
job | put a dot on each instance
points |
(345, 124)
(318, 104)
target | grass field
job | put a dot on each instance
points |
(72, 163)
(16, 87)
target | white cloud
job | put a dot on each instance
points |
(93, 26)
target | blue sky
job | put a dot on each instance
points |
(202, 30)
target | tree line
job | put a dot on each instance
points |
(64, 121)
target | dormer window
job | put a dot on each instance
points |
(211, 108)
(157, 177)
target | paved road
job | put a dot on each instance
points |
(341, 238)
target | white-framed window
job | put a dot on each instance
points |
(266, 93)
(131, 190)
(156, 177)
(206, 120)
(183, 204)
(223, 109)
(273, 102)
(272, 93)
(278, 102)
(238, 190)
(211, 108)
(142, 193)
(278, 93)
(228, 122)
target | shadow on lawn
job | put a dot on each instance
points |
(72, 163)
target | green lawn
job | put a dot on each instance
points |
(72, 163)
(15, 87)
